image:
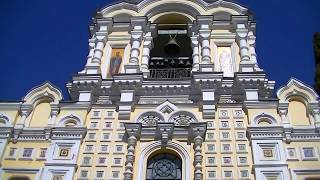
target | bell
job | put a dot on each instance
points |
(172, 48)
(181, 61)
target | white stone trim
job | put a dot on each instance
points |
(50, 171)
(149, 148)
(268, 117)
(22, 171)
(303, 171)
(281, 172)
(70, 117)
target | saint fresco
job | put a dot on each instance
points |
(115, 61)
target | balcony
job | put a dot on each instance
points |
(170, 73)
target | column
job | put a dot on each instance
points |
(136, 37)
(195, 54)
(90, 55)
(204, 25)
(242, 33)
(25, 111)
(133, 133)
(283, 111)
(54, 113)
(98, 50)
(197, 147)
(252, 50)
(205, 47)
(91, 50)
(315, 111)
(128, 173)
(147, 45)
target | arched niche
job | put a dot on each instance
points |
(297, 111)
(172, 147)
(41, 113)
(300, 99)
(150, 118)
(41, 99)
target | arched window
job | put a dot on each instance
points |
(264, 120)
(70, 123)
(150, 118)
(164, 166)
(4, 120)
(182, 118)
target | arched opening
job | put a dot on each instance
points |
(164, 165)
(297, 112)
(171, 56)
(41, 114)
(264, 122)
(70, 123)
(19, 178)
(2, 122)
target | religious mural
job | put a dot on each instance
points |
(115, 61)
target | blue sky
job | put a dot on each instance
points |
(47, 40)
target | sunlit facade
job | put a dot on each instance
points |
(171, 89)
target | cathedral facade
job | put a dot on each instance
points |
(171, 89)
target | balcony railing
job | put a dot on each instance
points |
(170, 73)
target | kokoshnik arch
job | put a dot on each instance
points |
(171, 89)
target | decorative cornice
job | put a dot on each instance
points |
(10, 105)
(289, 134)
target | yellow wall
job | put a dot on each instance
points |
(297, 113)
(40, 115)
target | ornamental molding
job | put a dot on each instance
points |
(45, 90)
(166, 132)
(167, 112)
(5, 119)
(149, 148)
(295, 87)
(70, 118)
(6, 132)
(194, 8)
(68, 133)
(264, 117)
(10, 105)
(43, 134)
(289, 134)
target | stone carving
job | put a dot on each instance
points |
(226, 65)
(182, 120)
(150, 120)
